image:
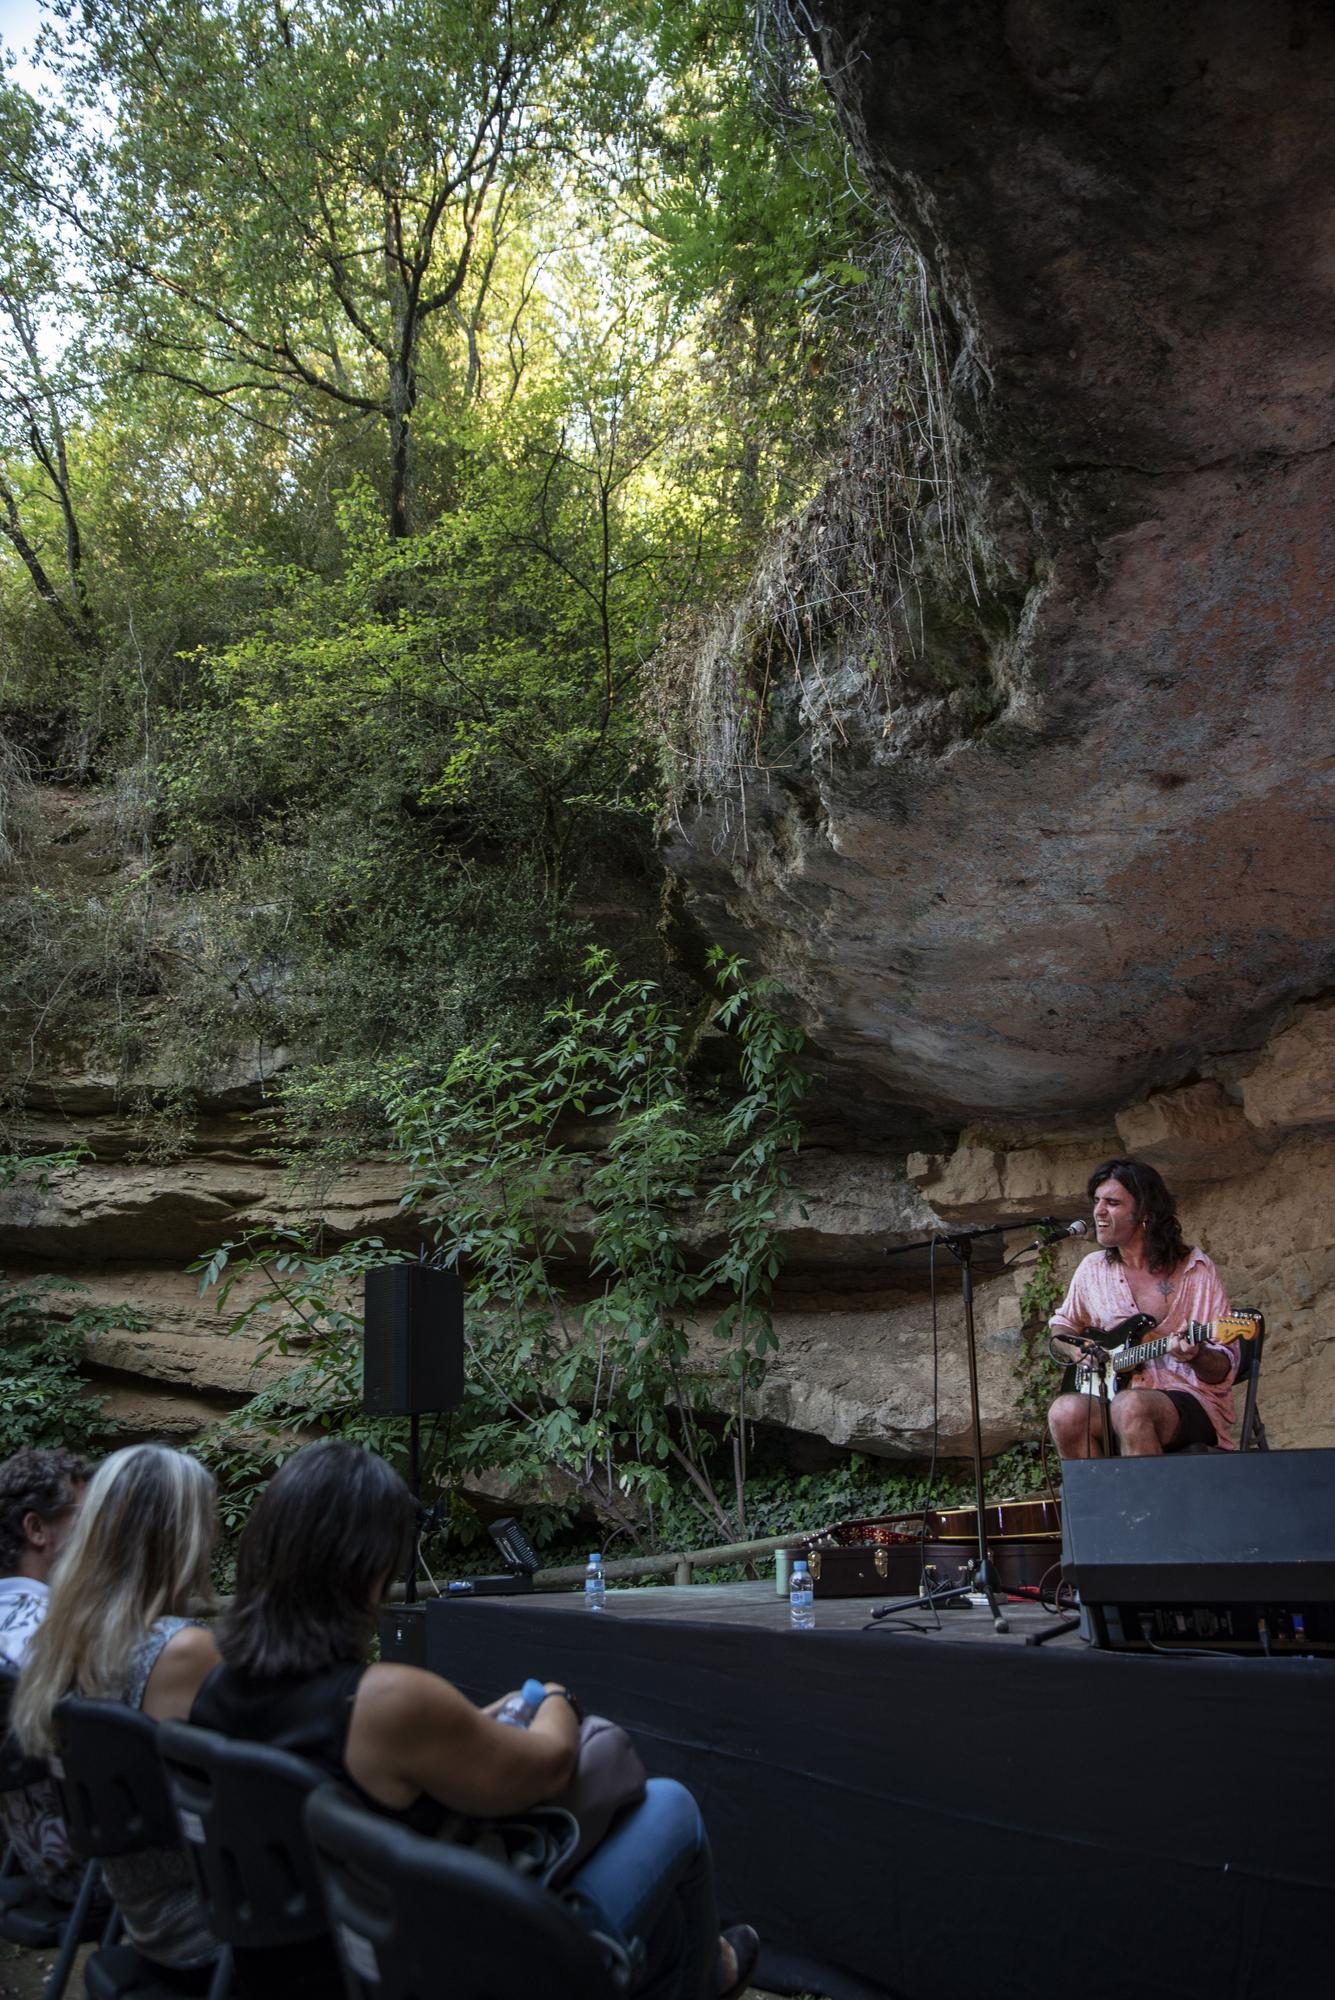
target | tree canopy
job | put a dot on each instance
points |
(380, 384)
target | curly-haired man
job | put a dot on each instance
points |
(1143, 1265)
(40, 1492)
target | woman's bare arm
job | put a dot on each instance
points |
(179, 1672)
(411, 1732)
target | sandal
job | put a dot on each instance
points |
(745, 1944)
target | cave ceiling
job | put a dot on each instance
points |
(1121, 862)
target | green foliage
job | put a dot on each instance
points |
(1038, 1374)
(34, 1170)
(596, 1403)
(459, 697)
(44, 1331)
(781, 1501)
(573, 307)
(292, 200)
(303, 1309)
(44, 1399)
(758, 220)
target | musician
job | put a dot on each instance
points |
(1143, 1265)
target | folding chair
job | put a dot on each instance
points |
(239, 1808)
(116, 1803)
(1251, 1432)
(28, 1915)
(415, 1918)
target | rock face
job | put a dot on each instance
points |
(1054, 825)
(1249, 1151)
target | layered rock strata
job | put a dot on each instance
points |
(1250, 1151)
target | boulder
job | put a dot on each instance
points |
(172, 1211)
(864, 1379)
(1270, 1232)
(1293, 1082)
(988, 1178)
(1196, 1134)
(1034, 817)
(184, 1340)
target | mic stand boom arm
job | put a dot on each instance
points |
(960, 1242)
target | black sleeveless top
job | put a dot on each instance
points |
(308, 1715)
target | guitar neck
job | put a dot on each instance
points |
(1195, 1333)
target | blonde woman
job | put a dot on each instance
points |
(118, 1628)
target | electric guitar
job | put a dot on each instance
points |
(1095, 1376)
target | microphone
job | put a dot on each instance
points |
(1055, 1235)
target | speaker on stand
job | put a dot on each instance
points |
(412, 1357)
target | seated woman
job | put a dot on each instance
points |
(313, 1564)
(117, 1629)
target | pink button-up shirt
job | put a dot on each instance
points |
(1100, 1297)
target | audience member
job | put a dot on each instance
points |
(313, 1565)
(40, 1493)
(117, 1628)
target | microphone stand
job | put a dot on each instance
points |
(960, 1244)
(414, 1482)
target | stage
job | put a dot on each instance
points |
(956, 1813)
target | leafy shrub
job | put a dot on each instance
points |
(594, 1403)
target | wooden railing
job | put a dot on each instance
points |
(681, 1565)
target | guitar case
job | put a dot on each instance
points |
(887, 1555)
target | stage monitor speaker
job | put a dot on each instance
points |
(413, 1350)
(1228, 1546)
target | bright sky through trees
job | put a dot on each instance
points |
(19, 23)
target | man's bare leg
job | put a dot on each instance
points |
(1076, 1423)
(1145, 1421)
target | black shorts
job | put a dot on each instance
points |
(1194, 1424)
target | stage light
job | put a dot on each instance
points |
(516, 1551)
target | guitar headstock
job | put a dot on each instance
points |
(1245, 1325)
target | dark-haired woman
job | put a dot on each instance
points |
(312, 1568)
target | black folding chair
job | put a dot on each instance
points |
(239, 1807)
(28, 1915)
(1251, 1432)
(1252, 1436)
(416, 1918)
(116, 1803)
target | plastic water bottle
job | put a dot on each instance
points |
(595, 1583)
(521, 1708)
(801, 1600)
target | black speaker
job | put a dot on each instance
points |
(403, 1634)
(1235, 1549)
(413, 1349)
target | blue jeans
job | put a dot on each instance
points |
(653, 1879)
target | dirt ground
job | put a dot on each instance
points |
(23, 1973)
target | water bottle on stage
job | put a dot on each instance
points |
(521, 1708)
(595, 1584)
(801, 1600)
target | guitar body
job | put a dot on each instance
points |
(1093, 1378)
(1099, 1378)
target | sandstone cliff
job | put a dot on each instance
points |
(1038, 814)
(1251, 1151)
